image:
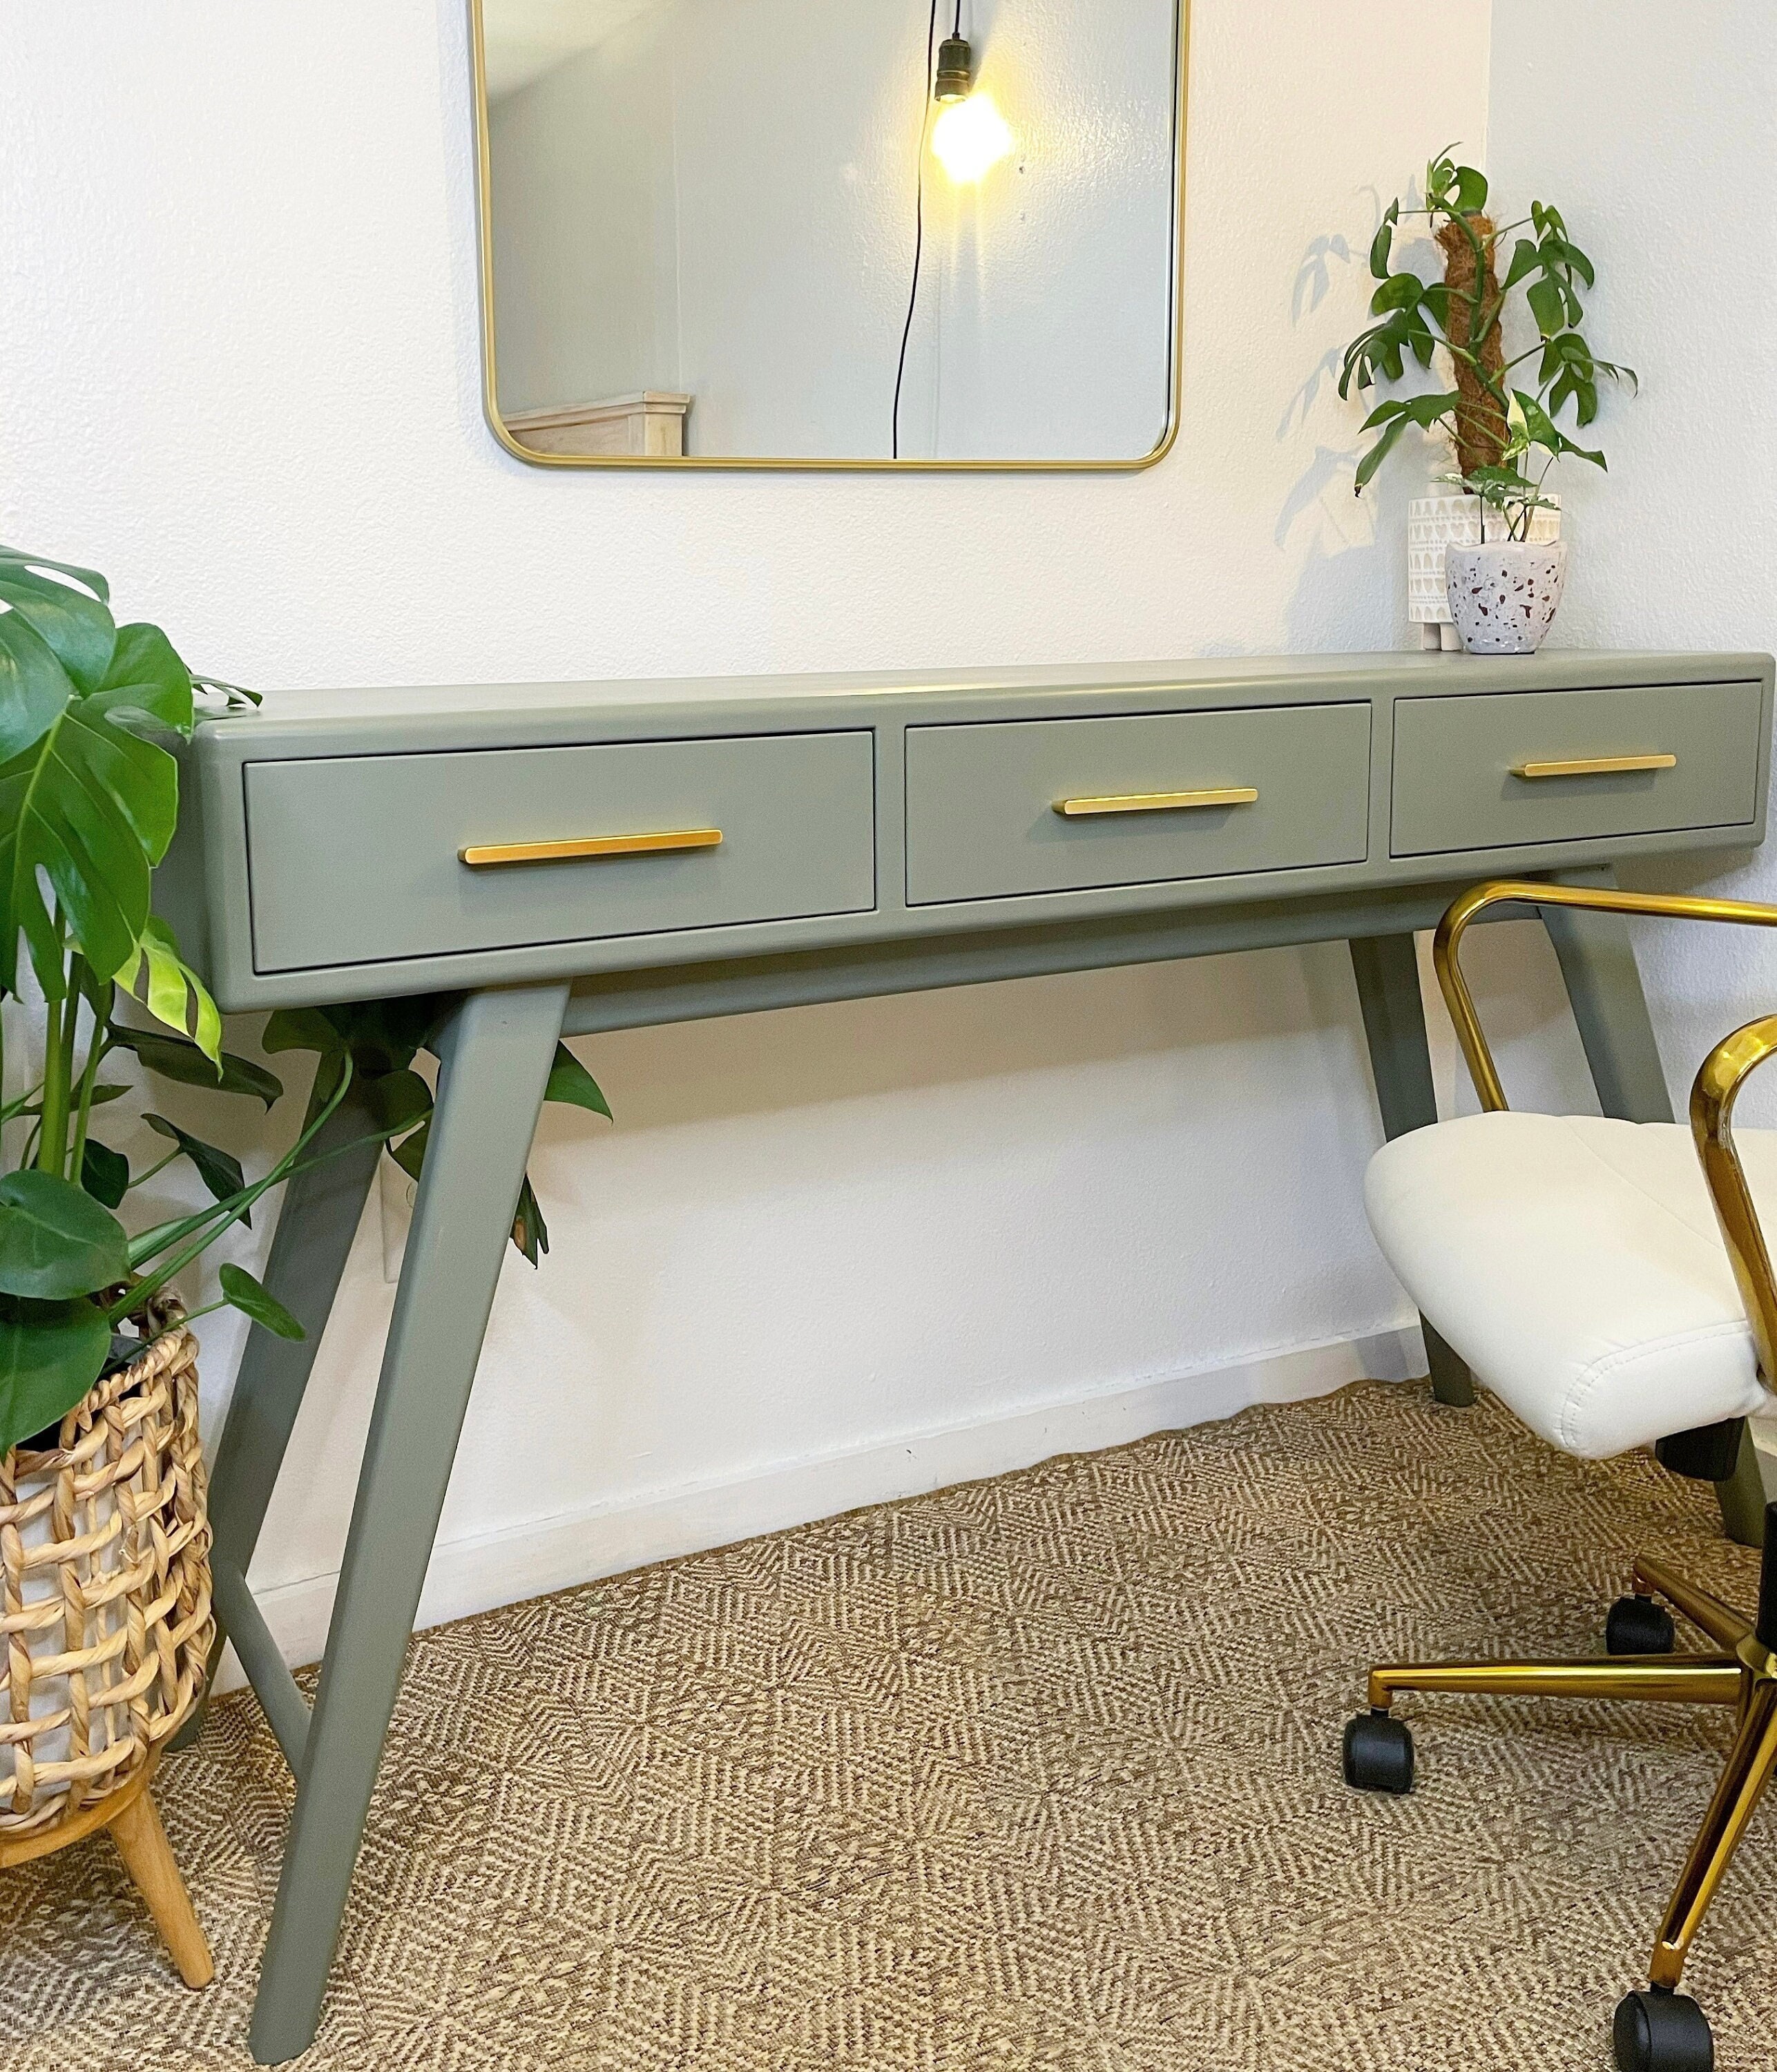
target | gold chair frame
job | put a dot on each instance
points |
(1743, 1673)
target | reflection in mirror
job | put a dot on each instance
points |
(832, 230)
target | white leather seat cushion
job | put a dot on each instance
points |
(1575, 1263)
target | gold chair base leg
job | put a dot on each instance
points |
(1721, 1622)
(1697, 1679)
(1744, 1677)
(1744, 1776)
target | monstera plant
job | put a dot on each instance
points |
(90, 712)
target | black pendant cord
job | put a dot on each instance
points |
(918, 226)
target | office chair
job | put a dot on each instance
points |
(1612, 1285)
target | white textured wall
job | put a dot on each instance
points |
(751, 164)
(238, 353)
(1654, 130)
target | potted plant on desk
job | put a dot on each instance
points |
(1490, 558)
(104, 1591)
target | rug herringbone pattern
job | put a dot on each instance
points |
(1038, 1774)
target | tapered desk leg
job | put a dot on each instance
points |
(315, 1227)
(496, 1056)
(1387, 971)
(1598, 960)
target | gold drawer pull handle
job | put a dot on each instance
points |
(1594, 765)
(479, 856)
(1157, 802)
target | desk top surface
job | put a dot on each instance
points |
(342, 842)
(388, 718)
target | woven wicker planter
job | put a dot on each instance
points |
(105, 1608)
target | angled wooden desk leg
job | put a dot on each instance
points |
(1598, 960)
(1387, 971)
(1599, 968)
(315, 1226)
(495, 1058)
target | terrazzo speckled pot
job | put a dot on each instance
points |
(1503, 597)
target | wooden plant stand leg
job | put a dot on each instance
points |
(141, 1842)
(1597, 955)
(1387, 971)
(496, 1054)
(148, 1857)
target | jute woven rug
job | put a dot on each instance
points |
(1038, 1774)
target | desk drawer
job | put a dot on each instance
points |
(983, 820)
(354, 859)
(1456, 761)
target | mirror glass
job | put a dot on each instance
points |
(836, 231)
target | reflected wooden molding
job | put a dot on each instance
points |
(649, 425)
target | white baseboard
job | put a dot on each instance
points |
(485, 1570)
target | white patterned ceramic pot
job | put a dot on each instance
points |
(1503, 596)
(1435, 524)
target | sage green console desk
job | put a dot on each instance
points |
(581, 858)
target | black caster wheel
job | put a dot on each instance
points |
(1656, 2032)
(1378, 1753)
(1637, 1626)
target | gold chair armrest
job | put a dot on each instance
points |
(1712, 1094)
(1725, 1071)
(1446, 944)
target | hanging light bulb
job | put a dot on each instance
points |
(969, 137)
(970, 134)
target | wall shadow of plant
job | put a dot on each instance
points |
(1330, 585)
(1314, 276)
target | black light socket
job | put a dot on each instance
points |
(956, 75)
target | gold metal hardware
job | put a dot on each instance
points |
(1746, 1680)
(1595, 766)
(1698, 1679)
(1721, 1622)
(1157, 802)
(1446, 944)
(1744, 1775)
(1725, 1071)
(1757, 1658)
(479, 856)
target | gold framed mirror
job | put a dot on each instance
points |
(831, 234)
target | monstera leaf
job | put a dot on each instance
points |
(178, 1058)
(160, 978)
(382, 1038)
(56, 1241)
(240, 1291)
(50, 1355)
(58, 1247)
(87, 798)
(34, 686)
(75, 623)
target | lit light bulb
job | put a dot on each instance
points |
(970, 136)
